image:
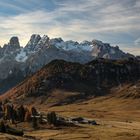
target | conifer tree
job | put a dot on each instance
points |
(34, 122)
(52, 118)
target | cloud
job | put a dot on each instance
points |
(129, 48)
(111, 21)
(11, 6)
(137, 41)
(132, 50)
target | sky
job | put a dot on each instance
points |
(112, 21)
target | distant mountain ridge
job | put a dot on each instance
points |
(19, 62)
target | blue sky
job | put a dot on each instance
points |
(116, 22)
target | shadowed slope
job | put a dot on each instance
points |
(94, 79)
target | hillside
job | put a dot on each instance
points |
(95, 78)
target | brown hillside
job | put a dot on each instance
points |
(93, 79)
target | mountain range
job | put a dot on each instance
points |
(17, 63)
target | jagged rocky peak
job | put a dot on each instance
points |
(100, 45)
(12, 46)
(97, 42)
(85, 42)
(14, 42)
(36, 42)
(43, 42)
(35, 38)
(56, 40)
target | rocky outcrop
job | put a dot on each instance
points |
(11, 47)
(14, 43)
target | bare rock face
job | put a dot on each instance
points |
(105, 50)
(35, 38)
(14, 42)
(43, 43)
(1, 52)
(12, 46)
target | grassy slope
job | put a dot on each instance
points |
(119, 119)
(118, 116)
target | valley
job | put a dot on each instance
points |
(117, 118)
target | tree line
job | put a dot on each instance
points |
(14, 114)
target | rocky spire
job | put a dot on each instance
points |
(12, 46)
(14, 42)
(35, 38)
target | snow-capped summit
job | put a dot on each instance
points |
(70, 45)
(86, 46)
(94, 48)
(38, 44)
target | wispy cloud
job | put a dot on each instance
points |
(137, 42)
(111, 21)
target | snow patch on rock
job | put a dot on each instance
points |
(10, 72)
(21, 56)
